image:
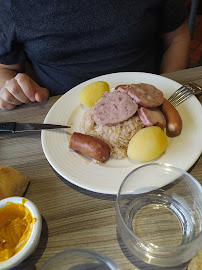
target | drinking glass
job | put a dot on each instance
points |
(80, 259)
(159, 214)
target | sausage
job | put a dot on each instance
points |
(152, 117)
(90, 146)
(121, 85)
(144, 94)
(113, 108)
(173, 119)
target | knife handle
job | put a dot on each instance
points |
(7, 126)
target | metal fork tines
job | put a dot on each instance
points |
(184, 92)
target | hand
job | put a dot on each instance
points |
(21, 89)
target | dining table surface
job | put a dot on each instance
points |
(73, 217)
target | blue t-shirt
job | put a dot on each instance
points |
(69, 42)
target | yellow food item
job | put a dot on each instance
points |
(16, 223)
(92, 92)
(147, 144)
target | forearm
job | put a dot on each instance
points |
(176, 57)
(177, 50)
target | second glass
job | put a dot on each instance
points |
(162, 226)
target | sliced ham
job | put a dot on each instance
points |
(145, 95)
(113, 108)
(152, 117)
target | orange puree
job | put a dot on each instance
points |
(16, 223)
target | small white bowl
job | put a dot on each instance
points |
(34, 238)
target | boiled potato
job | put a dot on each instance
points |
(92, 92)
(147, 144)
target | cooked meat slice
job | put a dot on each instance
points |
(113, 108)
(144, 94)
(152, 117)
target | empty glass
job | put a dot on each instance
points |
(80, 259)
(162, 225)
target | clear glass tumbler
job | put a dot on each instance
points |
(79, 259)
(160, 224)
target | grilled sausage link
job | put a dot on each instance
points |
(173, 119)
(90, 146)
(120, 85)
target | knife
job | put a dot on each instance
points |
(21, 127)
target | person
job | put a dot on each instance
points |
(68, 42)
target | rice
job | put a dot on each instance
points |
(117, 137)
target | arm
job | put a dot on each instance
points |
(177, 44)
(17, 88)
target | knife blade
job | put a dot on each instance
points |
(21, 127)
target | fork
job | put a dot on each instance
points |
(184, 92)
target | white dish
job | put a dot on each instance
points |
(182, 151)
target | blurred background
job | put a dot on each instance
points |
(196, 43)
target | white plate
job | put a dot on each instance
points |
(182, 151)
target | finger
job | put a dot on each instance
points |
(5, 105)
(8, 97)
(26, 85)
(16, 93)
(41, 94)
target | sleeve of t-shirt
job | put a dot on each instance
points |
(174, 13)
(11, 50)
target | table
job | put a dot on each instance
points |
(72, 217)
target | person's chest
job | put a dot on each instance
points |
(52, 30)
